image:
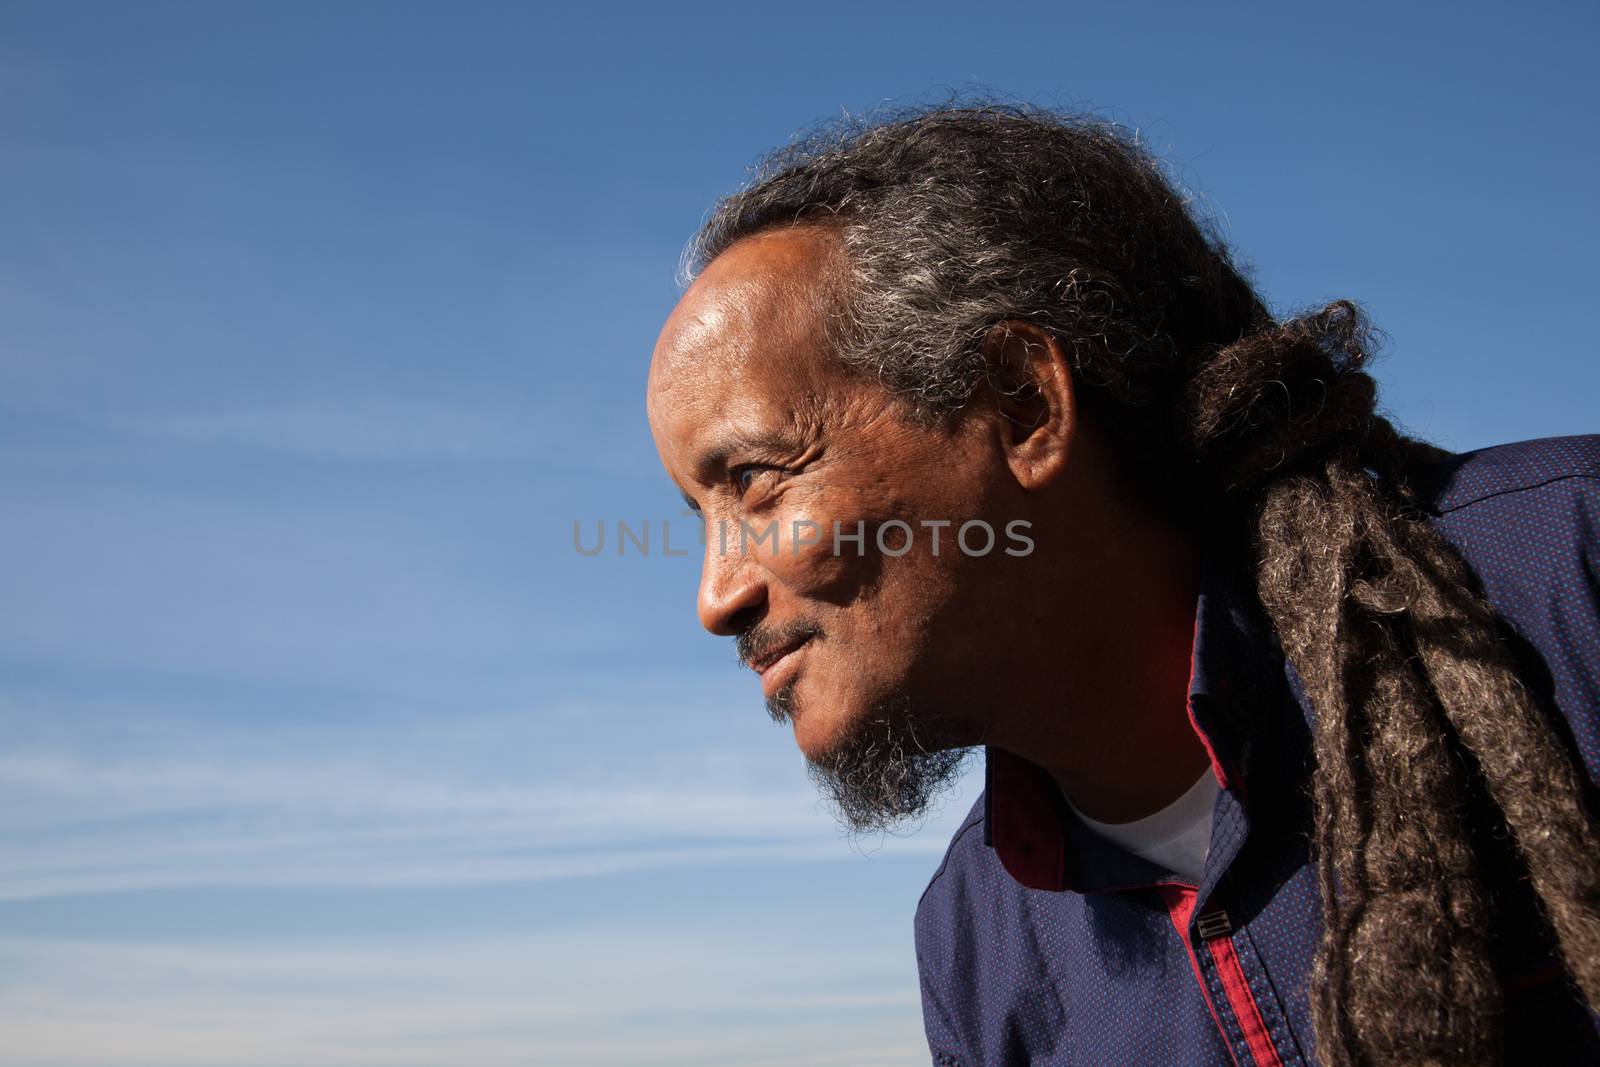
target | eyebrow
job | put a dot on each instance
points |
(716, 454)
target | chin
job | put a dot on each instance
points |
(879, 767)
(820, 726)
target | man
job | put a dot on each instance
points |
(1291, 722)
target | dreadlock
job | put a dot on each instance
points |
(955, 219)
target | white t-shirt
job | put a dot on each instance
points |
(1175, 838)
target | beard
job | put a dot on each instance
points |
(888, 769)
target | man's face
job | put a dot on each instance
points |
(779, 447)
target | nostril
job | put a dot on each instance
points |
(744, 619)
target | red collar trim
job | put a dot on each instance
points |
(1025, 820)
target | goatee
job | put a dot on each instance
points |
(888, 770)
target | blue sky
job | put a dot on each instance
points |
(319, 329)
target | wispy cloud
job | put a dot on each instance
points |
(621, 994)
(107, 799)
(229, 812)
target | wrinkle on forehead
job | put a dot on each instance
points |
(778, 285)
(751, 328)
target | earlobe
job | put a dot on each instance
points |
(1033, 396)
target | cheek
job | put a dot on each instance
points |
(820, 552)
(889, 574)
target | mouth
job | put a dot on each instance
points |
(776, 666)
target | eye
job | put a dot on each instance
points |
(745, 477)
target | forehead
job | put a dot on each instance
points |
(746, 349)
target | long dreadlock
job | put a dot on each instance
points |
(959, 218)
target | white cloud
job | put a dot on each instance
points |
(347, 804)
(618, 995)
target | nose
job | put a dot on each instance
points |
(733, 591)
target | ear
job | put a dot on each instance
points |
(1038, 415)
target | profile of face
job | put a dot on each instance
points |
(832, 516)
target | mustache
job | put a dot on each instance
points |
(759, 642)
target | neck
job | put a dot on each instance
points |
(1106, 706)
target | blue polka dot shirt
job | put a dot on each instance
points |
(1040, 943)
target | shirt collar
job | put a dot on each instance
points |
(1042, 845)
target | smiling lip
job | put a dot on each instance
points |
(774, 665)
